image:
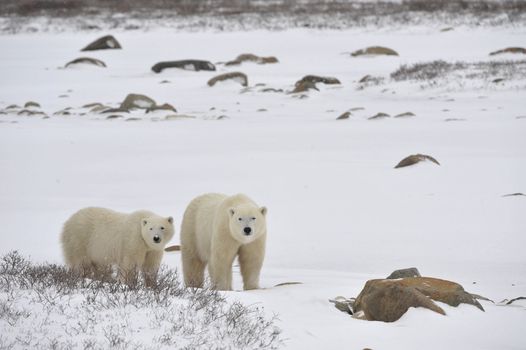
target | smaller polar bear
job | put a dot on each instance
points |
(94, 239)
(217, 228)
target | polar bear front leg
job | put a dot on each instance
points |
(250, 261)
(150, 267)
(220, 269)
(128, 269)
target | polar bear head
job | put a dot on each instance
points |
(157, 231)
(247, 222)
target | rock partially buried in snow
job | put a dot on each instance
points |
(404, 115)
(137, 101)
(380, 115)
(387, 300)
(415, 158)
(104, 43)
(163, 107)
(514, 50)
(248, 57)
(235, 76)
(309, 82)
(375, 51)
(345, 115)
(86, 60)
(32, 104)
(193, 65)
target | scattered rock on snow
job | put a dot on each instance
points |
(447, 29)
(514, 194)
(163, 107)
(29, 112)
(404, 115)
(379, 115)
(115, 110)
(309, 82)
(86, 60)
(375, 51)
(248, 57)
(106, 42)
(387, 300)
(415, 158)
(271, 90)
(113, 116)
(304, 86)
(137, 101)
(345, 115)
(519, 50)
(93, 105)
(235, 76)
(403, 273)
(193, 65)
(31, 104)
(178, 117)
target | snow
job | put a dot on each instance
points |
(339, 213)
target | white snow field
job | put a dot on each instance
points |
(339, 213)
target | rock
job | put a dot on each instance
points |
(113, 116)
(447, 29)
(29, 112)
(404, 115)
(454, 119)
(514, 194)
(62, 112)
(343, 304)
(287, 284)
(194, 65)
(30, 104)
(106, 42)
(514, 50)
(137, 101)
(345, 115)
(163, 107)
(12, 107)
(403, 273)
(498, 80)
(236, 76)
(379, 116)
(304, 86)
(509, 302)
(387, 300)
(115, 110)
(178, 117)
(132, 119)
(271, 90)
(415, 158)
(375, 51)
(92, 105)
(100, 108)
(248, 57)
(314, 79)
(86, 60)
(262, 110)
(355, 109)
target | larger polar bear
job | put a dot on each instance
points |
(94, 239)
(215, 229)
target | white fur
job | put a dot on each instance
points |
(212, 233)
(97, 238)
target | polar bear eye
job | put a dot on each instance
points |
(151, 228)
(162, 228)
(240, 219)
(253, 218)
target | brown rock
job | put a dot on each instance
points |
(404, 115)
(164, 106)
(86, 60)
(403, 273)
(415, 158)
(345, 115)
(519, 50)
(304, 86)
(30, 104)
(248, 57)
(193, 65)
(236, 76)
(375, 51)
(387, 300)
(380, 115)
(314, 79)
(137, 101)
(106, 42)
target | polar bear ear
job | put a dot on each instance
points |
(263, 210)
(144, 222)
(231, 211)
(170, 220)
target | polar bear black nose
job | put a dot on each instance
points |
(156, 239)
(247, 230)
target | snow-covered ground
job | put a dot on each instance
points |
(339, 213)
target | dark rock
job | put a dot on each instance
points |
(304, 86)
(271, 90)
(178, 117)
(163, 107)
(515, 50)
(403, 273)
(387, 300)
(92, 105)
(236, 76)
(415, 158)
(29, 112)
(379, 116)
(345, 115)
(137, 101)
(194, 65)
(106, 42)
(113, 116)
(514, 194)
(12, 107)
(447, 29)
(375, 51)
(132, 119)
(248, 57)
(31, 104)
(115, 110)
(314, 79)
(86, 60)
(404, 115)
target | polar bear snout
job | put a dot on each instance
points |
(157, 239)
(247, 230)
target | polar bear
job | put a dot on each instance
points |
(94, 239)
(215, 229)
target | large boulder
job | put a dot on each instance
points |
(309, 82)
(375, 51)
(404, 273)
(104, 43)
(387, 300)
(193, 65)
(137, 101)
(235, 76)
